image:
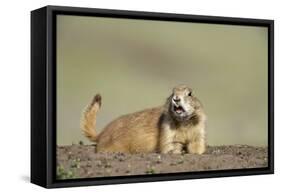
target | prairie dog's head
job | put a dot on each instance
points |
(182, 104)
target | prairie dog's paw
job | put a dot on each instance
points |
(196, 147)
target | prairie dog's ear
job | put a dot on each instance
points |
(191, 93)
(170, 97)
(168, 102)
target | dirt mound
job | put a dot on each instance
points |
(81, 161)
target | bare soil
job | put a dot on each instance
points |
(81, 161)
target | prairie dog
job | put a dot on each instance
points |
(175, 127)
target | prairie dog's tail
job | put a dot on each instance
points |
(88, 121)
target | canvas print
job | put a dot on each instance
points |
(143, 97)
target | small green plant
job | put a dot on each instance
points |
(75, 163)
(64, 174)
(150, 170)
(181, 160)
(81, 142)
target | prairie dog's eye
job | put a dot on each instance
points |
(187, 93)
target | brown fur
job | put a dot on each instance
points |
(150, 130)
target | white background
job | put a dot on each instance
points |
(15, 94)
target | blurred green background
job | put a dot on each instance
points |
(134, 64)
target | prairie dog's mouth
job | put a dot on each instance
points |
(178, 109)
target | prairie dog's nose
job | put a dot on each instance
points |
(176, 99)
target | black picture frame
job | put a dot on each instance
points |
(43, 95)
